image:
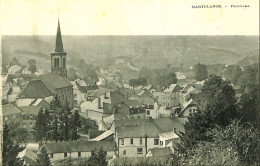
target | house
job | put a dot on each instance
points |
(188, 109)
(11, 113)
(101, 80)
(29, 115)
(77, 149)
(44, 87)
(102, 103)
(14, 69)
(159, 152)
(145, 93)
(170, 97)
(29, 157)
(180, 76)
(12, 94)
(80, 93)
(152, 112)
(167, 138)
(135, 137)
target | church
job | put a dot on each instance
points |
(47, 86)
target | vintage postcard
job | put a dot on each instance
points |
(129, 82)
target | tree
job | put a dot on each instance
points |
(10, 148)
(200, 71)
(165, 80)
(99, 158)
(216, 107)
(76, 124)
(232, 73)
(40, 127)
(65, 122)
(32, 65)
(248, 80)
(247, 109)
(14, 61)
(72, 74)
(43, 158)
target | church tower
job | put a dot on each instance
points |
(58, 58)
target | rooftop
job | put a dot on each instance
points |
(79, 146)
(9, 109)
(35, 89)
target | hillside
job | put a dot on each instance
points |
(145, 51)
(252, 58)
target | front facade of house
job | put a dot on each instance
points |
(170, 97)
(62, 156)
(77, 149)
(136, 147)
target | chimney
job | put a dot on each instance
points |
(175, 130)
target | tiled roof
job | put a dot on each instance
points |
(173, 88)
(133, 103)
(161, 151)
(54, 81)
(144, 127)
(103, 135)
(85, 89)
(117, 97)
(89, 81)
(35, 89)
(99, 92)
(79, 146)
(168, 135)
(9, 109)
(30, 110)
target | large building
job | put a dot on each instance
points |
(47, 86)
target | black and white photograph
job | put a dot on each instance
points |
(129, 83)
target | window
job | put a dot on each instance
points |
(148, 112)
(141, 141)
(79, 154)
(65, 154)
(161, 143)
(139, 151)
(51, 155)
(122, 141)
(131, 141)
(190, 110)
(124, 152)
(92, 153)
(64, 62)
(155, 141)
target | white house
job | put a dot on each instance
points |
(14, 69)
(188, 109)
(77, 149)
(152, 113)
(170, 97)
(180, 76)
(135, 137)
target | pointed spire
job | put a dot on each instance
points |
(59, 44)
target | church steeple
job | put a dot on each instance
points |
(58, 58)
(59, 44)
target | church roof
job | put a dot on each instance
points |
(35, 89)
(54, 81)
(59, 44)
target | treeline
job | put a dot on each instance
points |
(58, 123)
(137, 82)
(160, 79)
(247, 78)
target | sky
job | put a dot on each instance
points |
(128, 17)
